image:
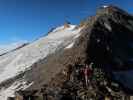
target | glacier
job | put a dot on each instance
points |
(21, 60)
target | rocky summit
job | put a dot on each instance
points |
(52, 67)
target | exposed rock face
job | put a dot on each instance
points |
(110, 43)
(111, 38)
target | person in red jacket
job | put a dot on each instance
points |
(87, 72)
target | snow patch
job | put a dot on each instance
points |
(77, 36)
(70, 46)
(62, 28)
(9, 92)
(12, 69)
(58, 29)
(105, 6)
(108, 26)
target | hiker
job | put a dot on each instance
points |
(77, 73)
(44, 92)
(69, 71)
(87, 72)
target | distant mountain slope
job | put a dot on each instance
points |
(4, 49)
(14, 63)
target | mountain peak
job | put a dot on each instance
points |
(110, 9)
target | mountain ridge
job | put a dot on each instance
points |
(103, 40)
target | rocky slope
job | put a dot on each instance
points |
(105, 39)
(14, 65)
